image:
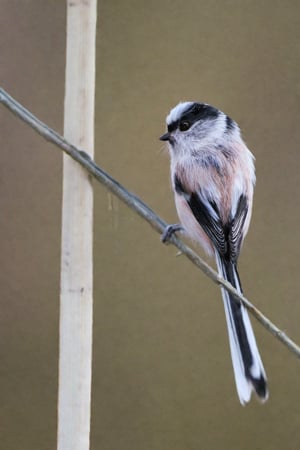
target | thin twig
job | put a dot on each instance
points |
(142, 209)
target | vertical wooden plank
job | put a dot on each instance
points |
(76, 299)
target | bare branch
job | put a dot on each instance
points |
(142, 209)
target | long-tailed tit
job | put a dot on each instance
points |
(213, 176)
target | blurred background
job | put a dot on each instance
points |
(162, 375)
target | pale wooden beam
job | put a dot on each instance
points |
(76, 298)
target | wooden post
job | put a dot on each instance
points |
(76, 298)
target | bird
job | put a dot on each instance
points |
(213, 178)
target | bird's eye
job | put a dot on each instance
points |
(184, 125)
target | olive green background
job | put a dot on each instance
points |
(162, 376)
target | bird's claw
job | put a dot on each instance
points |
(169, 231)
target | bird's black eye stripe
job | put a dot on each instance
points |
(229, 124)
(199, 111)
(172, 126)
(195, 113)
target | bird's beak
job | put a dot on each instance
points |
(165, 137)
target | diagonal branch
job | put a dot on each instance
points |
(140, 208)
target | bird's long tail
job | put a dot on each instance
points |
(248, 368)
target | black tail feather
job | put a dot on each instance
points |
(242, 335)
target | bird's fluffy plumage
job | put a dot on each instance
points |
(213, 176)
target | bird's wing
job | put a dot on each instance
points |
(226, 236)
